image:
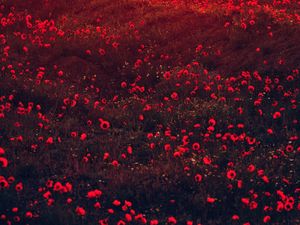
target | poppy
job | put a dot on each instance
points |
(196, 146)
(206, 160)
(231, 174)
(154, 222)
(4, 162)
(198, 177)
(167, 75)
(57, 186)
(276, 115)
(211, 200)
(172, 220)
(104, 125)
(19, 187)
(235, 217)
(80, 211)
(266, 219)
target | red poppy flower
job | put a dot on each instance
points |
(280, 206)
(3, 182)
(251, 168)
(167, 75)
(104, 125)
(60, 73)
(10, 179)
(80, 211)
(235, 217)
(4, 162)
(231, 174)
(115, 163)
(101, 51)
(245, 200)
(128, 217)
(212, 122)
(49, 140)
(288, 206)
(206, 160)
(211, 200)
(116, 203)
(196, 146)
(253, 205)
(174, 96)
(2, 151)
(270, 131)
(154, 222)
(198, 177)
(28, 214)
(103, 222)
(57, 186)
(267, 219)
(83, 136)
(172, 220)
(47, 195)
(289, 148)
(276, 115)
(19, 187)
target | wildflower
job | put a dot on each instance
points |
(60, 73)
(80, 211)
(253, 205)
(206, 160)
(276, 115)
(4, 162)
(174, 96)
(83, 136)
(101, 51)
(172, 220)
(231, 174)
(167, 75)
(115, 163)
(19, 187)
(212, 122)
(154, 222)
(49, 140)
(196, 146)
(28, 214)
(211, 200)
(123, 84)
(57, 186)
(128, 217)
(235, 217)
(266, 219)
(104, 125)
(198, 177)
(270, 131)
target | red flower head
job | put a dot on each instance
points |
(80, 211)
(4, 162)
(172, 220)
(231, 174)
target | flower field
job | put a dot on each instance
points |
(149, 112)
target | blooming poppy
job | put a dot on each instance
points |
(231, 174)
(19, 187)
(198, 177)
(172, 220)
(80, 211)
(4, 162)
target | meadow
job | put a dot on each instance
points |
(149, 112)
